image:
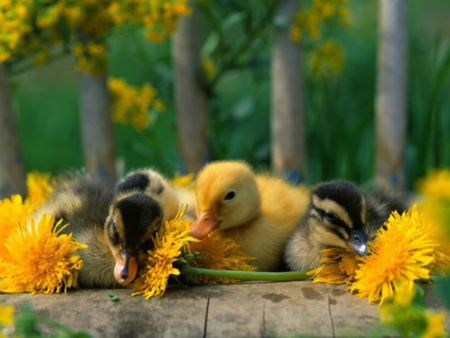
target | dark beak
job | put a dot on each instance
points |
(358, 241)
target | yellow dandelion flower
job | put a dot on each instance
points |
(339, 267)
(13, 211)
(220, 254)
(436, 215)
(401, 254)
(42, 260)
(183, 181)
(409, 319)
(435, 325)
(39, 187)
(435, 206)
(169, 244)
(6, 315)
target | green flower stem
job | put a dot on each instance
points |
(246, 275)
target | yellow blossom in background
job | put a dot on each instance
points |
(208, 67)
(92, 57)
(183, 181)
(158, 17)
(159, 106)
(30, 28)
(296, 34)
(401, 253)
(6, 315)
(326, 60)
(220, 254)
(131, 104)
(39, 186)
(322, 11)
(411, 320)
(41, 259)
(435, 205)
(169, 243)
(436, 184)
(435, 213)
(338, 267)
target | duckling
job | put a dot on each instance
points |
(339, 215)
(258, 212)
(116, 227)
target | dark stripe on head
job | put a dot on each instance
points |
(337, 221)
(141, 215)
(346, 195)
(136, 181)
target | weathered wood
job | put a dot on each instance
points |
(190, 99)
(288, 126)
(97, 127)
(391, 95)
(247, 309)
(12, 172)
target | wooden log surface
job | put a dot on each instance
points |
(238, 310)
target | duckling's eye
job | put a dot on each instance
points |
(330, 216)
(230, 196)
(114, 234)
(114, 227)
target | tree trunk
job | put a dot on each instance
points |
(12, 173)
(190, 98)
(391, 95)
(97, 127)
(288, 117)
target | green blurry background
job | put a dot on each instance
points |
(340, 112)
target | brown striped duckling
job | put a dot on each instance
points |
(339, 215)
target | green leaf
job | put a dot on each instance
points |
(112, 297)
(233, 19)
(26, 324)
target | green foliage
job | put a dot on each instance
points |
(237, 40)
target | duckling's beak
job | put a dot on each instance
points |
(125, 270)
(204, 225)
(358, 241)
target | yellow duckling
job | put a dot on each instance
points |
(259, 212)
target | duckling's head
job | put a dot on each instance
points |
(142, 199)
(338, 216)
(131, 222)
(227, 197)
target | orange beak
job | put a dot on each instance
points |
(126, 267)
(204, 225)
